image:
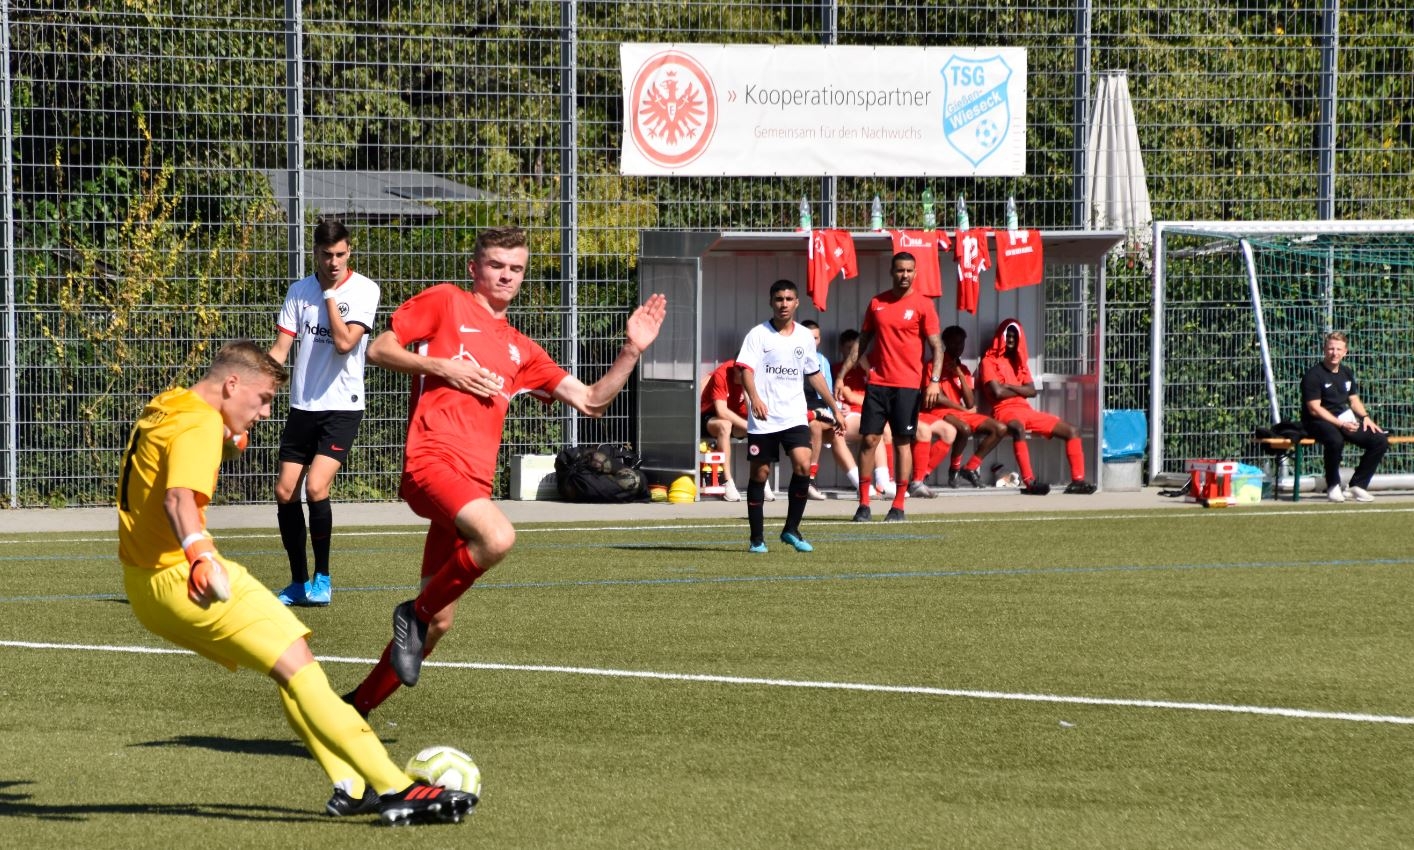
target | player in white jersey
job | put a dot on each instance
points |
(778, 356)
(331, 313)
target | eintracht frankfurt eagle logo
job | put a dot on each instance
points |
(673, 109)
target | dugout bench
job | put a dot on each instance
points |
(1281, 446)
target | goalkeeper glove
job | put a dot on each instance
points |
(207, 581)
(234, 445)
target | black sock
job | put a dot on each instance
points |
(321, 528)
(291, 518)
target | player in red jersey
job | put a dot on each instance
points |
(723, 416)
(960, 402)
(1006, 375)
(897, 324)
(468, 365)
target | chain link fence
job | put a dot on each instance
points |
(166, 159)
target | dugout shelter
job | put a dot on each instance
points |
(717, 285)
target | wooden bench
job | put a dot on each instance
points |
(1282, 445)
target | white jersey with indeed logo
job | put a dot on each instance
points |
(322, 378)
(779, 363)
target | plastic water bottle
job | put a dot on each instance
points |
(804, 214)
(930, 221)
(1011, 223)
(962, 221)
(876, 214)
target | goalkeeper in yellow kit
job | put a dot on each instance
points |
(181, 589)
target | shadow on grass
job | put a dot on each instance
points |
(19, 805)
(247, 746)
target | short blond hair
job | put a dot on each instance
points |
(1337, 336)
(245, 356)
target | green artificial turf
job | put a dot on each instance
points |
(915, 685)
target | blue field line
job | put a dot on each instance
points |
(884, 575)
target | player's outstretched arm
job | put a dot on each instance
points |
(642, 329)
(389, 352)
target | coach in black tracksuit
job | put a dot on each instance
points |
(1332, 413)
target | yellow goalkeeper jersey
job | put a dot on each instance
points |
(175, 444)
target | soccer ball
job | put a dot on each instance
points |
(447, 767)
(988, 133)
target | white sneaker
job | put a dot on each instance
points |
(1360, 494)
(730, 493)
(885, 489)
(770, 494)
(814, 494)
(1335, 494)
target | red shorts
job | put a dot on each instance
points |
(437, 485)
(969, 418)
(1031, 419)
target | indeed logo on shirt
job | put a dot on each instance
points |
(317, 330)
(783, 371)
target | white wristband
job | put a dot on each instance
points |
(192, 538)
(328, 294)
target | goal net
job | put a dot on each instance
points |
(1240, 311)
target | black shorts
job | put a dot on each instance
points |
(767, 447)
(318, 432)
(896, 406)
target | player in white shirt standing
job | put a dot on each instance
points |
(331, 314)
(776, 355)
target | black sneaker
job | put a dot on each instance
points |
(423, 803)
(971, 477)
(952, 477)
(1080, 487)
(342, 804)
(895, 515)
(863, 514)
(409, 634)
(1035, 488)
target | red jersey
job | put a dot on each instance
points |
(952, 383)
(721, 386)
(1019, 261)
(997, 366)
(923, 245)
(900, 327)
(831, 254)
(447, 321)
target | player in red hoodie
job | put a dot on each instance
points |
(1007, 380)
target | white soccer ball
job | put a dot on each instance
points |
(447, 767)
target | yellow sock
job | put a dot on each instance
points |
(339, 730)
(339, 771)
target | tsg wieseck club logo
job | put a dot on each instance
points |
(976, 112)
(674, 109)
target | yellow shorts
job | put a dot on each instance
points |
(252, 629)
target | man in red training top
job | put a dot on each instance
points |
(897, 324)
(1006, 376)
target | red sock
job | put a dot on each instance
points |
(865, 486)
(889, 461)
(940, 451)
(814, 468)
(974, 464)
(900, 495)
(379, 684)
(1076, 455)
(1023, 460)
(454, 578)
(920, 459)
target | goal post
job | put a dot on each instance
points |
(1239, 309)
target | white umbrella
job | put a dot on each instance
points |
(1116, 192)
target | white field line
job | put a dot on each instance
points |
(909, 690)
(1236, 514)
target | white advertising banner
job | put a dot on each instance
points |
(755, 110)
